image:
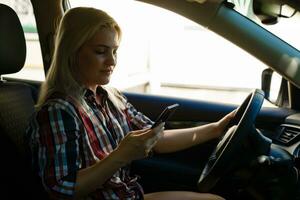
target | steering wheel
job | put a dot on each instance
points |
(230, 144)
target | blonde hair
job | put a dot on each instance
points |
(77, 26)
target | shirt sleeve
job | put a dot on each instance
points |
(137, 119)
(56, 134)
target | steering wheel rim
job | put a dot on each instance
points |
(229, 145)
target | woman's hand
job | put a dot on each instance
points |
(137, 144)
(221, 125)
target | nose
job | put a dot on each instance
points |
(111, 59)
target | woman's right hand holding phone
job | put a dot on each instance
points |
(137, 144)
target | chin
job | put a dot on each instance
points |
(104, 82)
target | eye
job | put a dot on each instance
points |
(115, 51)
(100, 52)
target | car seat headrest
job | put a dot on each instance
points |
(12, 41)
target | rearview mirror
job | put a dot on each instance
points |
(266, 12)
(270, 11)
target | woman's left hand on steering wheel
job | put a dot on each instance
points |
(222, 124)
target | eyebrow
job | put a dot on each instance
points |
(105, 46)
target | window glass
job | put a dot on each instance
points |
(164, 53)
(33, 69)
(275, 86)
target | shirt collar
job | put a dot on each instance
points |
(89, 94)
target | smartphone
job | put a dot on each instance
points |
(165, 115)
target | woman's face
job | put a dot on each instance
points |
(97, 58)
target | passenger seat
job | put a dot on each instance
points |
(17, 101)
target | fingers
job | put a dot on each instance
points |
(158, 133)
(147, 152)
(225, 120)
(159, 127)
(232, 113)
(142, 141)
(152, 136)
(150, 133)
(139, 132)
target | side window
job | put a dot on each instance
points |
(33, 69)
(176, 57)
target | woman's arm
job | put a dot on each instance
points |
(179, 139)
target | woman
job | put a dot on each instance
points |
(84, 135)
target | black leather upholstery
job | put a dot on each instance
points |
(16, 107)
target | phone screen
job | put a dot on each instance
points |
(165, 115)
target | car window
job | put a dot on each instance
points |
(176, 57)
(33, 69)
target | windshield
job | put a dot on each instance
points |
(287, 29)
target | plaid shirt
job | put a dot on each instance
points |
(65, 137)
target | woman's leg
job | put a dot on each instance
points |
(181, 195)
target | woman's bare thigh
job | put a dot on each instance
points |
(181, 195)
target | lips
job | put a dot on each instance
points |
(108, 71)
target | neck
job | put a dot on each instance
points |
(93, 88)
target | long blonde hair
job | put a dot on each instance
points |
(77, 26)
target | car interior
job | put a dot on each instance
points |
(258, 158)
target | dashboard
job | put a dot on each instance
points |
(287, 135)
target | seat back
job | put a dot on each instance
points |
(16, 107)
